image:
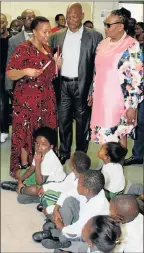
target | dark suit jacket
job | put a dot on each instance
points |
(14, 41)
(90, 40)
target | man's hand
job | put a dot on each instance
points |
(90, 100)
(19, 186)
(131, 115)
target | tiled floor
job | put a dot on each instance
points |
(19, 222)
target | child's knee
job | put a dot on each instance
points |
(34, 190)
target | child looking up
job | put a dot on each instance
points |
(45, 167)
(112, 153)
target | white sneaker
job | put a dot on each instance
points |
(3, 137)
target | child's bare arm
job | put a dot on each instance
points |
(40, 179)
(28, 173)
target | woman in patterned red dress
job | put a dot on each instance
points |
(34, 103)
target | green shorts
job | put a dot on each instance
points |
(110, 195)
(31, 180)
(49, 198)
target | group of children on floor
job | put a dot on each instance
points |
(87, 210)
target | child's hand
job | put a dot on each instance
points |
(59, 224)
(45, 211)
(38, 157)
(57, 215)
(19, 186)
(41, 191)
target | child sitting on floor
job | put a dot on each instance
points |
(125, 209)
(79, 164)
(45, 167)
(102, 234)
(112, 153)
(92, 201)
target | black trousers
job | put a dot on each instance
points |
(70, 103)
(4, 109)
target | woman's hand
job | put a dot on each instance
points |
(58, 60)
(33, 72)
(131, 115)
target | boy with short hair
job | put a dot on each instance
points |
(125, 209)
(90, 186)
(45, 167)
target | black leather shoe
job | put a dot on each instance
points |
(131, 160)
(39, 236)
(63, 159)
(40, 207)
(54, 244)
(9, 185)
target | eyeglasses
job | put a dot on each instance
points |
(109, 25)
(29, 18)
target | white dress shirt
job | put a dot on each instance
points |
(114, 177)
(27, 35)
(71, 193)
(132, 233)
(97, 205)
(71, 53)
(52, 167)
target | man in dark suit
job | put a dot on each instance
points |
(27, 17)
(78, 46)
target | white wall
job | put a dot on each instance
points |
(47, 9)
(136, 10)
(98, 8)
(91, 9)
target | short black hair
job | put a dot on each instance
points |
(15, 20)
(94, 180)
(87, 22)
(115, 151)
(49, 133)
(141, 24)
(57, 17)
(126, 206)
(81, 161)
(37, 20)
(106, 233)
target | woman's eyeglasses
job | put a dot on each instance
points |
(109, 25)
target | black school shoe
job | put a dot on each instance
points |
(41, 235)
(54, 244)
(40, 207)
(132, 161)
(9, 185)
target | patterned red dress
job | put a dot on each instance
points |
(34, 103)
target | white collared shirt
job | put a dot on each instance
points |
(71, 53)
(132, 236)
(52, 167)
(26, 35)
(97, 205)
(114, 177)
